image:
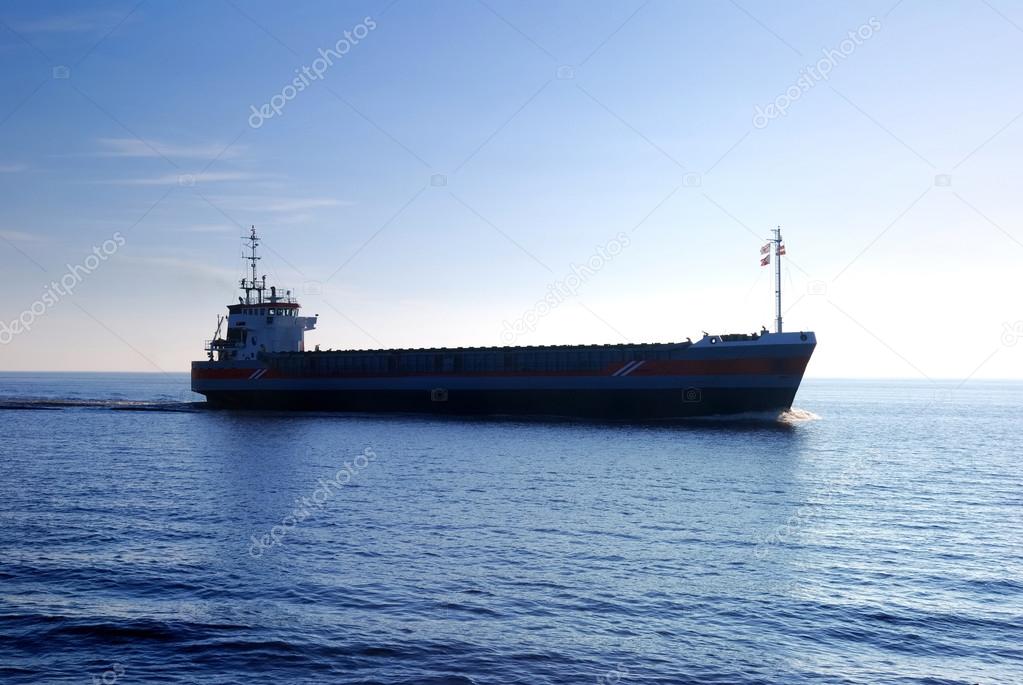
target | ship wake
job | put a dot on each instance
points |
(57, 404)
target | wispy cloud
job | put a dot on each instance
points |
(281, 204)
(133, 147)
(22, 237)
(185, 179)
(292, 219)
(183, 265)
(12, 168)
(210, 228)
(301, 204)
(81, 22)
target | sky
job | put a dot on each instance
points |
(468, 172)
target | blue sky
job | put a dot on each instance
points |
(462, 156)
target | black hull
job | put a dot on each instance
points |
(592, 404)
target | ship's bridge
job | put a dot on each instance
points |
(262, 321)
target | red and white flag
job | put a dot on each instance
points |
(766, 260)
(781, 249)
(765, 249)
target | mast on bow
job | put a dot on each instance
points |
(779, 251)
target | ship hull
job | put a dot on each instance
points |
(651, 382)
(593, 404)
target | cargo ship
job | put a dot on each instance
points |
(260, 362)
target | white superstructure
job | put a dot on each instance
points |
(262, 321)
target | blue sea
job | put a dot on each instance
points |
(875, 535)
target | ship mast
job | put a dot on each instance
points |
(778, 252)
(254, 284)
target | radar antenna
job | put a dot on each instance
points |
(253, 258)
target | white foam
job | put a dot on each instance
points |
(794, 415)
